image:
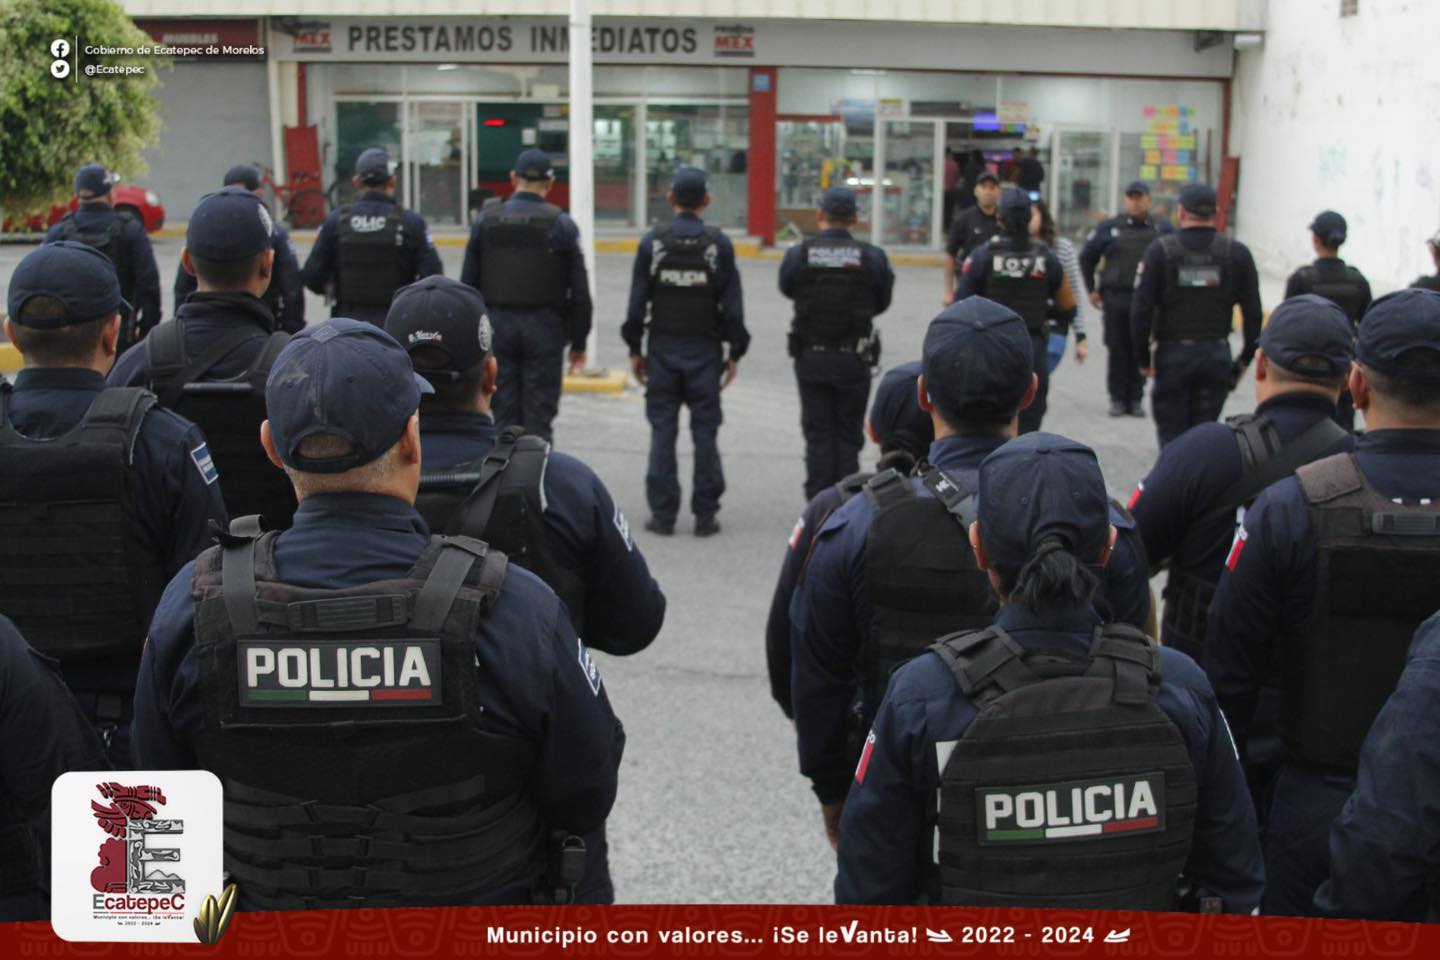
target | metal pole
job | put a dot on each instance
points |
(277, 117)
(582, 148)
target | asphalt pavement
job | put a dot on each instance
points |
(711, 806)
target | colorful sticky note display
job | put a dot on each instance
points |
(1148, 172)
(1185, 142)
(1148, 110)
(1152, 156)
(1149, 142)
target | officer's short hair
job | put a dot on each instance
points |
(450, 396)
(1284, 375)
(73, 344)
(1420, 395)
(227, 275)
(330, 446)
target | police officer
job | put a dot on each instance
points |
(1019, 272)
(524, 256)
(1336, 281)
(42, 735)
(366, 251)
(1431, 282)
(120, 237)
(1186, 507)
(210, 362)
(1385, 845)
(839, 285)
(973, 226)
(903, 432)
(1328, 578)
(102, 496)
(547, 511)
(889, 571)
(1120, 242)
(285, 297)
(395, 694)
(685, 274)
(1127, 781)
(1188, 284)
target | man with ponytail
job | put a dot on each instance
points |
(1128, 794)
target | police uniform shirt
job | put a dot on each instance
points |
(1194, 471)
(42, 735)
(1150, 283)
(833, 625)
(418, 257)
(208, 317)
(727, 282)
(1385, 845)
(143, 291)
(585, 532)
(535, 678)
(980, 263)
(887, 830)
(1098, 243)
(969, 230)
(872, 260)
(564, 238)
(1275, 549)
(285, 297)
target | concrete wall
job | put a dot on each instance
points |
(1340, 113)
(216, 115)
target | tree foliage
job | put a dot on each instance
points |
(49, 126)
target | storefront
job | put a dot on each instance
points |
(772, 110)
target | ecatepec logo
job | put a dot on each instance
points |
(134, 853)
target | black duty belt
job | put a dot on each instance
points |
(852, 346)
(1192, 343)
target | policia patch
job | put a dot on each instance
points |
(1071, 810)
(325, 673)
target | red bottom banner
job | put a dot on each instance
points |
(756, 931)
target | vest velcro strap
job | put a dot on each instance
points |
(345, 613)
(960, 505)
(432, 605)
(237, 584)
(1405, 524)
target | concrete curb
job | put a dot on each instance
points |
(10, 361)
(596, 381)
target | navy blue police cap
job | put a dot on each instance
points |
(344, 378)
(689, 187)
(1013, 200)
(534, 164)
(978, 360)
(374, 167)
(229, 224)
(1199, 199)
(1394, 326)
(244, 175)
(443, 314)
(93, 180)
(840, 202)
(1042, 487)
(1137, 186)
(74, 275)
(895, 416)
(1330, 227)
(1310, 336)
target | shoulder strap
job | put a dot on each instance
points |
(120, 409)
(1220, 246)
(269, 352)
(985, 658)
(887, 488)
(961, 506)
(1257, 438)
(1126, 655)
(473, 515)
(165, 350)
(1331, 478)
(1276, 465)
(1172, 246)
(237, 575)
(170, 389)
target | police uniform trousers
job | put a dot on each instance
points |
(530, 349)
(1304, 803)
(1191, 383)
(683, 370)
(1122, 376)
(834, 390)
(1031, 416)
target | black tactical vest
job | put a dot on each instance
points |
(369, 263)
(1071, 787)
(1264, 459)
(1128, 243)
(920, 572)
(1337, 282)
(78, 574)
(105, 239)
(684, 298)
(833, 300)
(500, 499)
(1377, 563)
(1018, 280)
(229, 412)
(518, 265)
(1198, 300)
(347, 730)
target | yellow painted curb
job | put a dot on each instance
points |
(10, 360)
(596, 381)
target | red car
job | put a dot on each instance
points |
(141, 203)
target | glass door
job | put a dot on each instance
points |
(614, 164)
(1081, 193)
(360, 125)
(908, 186)
(712, 137)
(808, 157)
(438, 148)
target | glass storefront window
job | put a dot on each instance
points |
(808, 153)
(437, 150)
(1082, 187)
(909, 182)
(614, 147)
(364, 124)
(713, 137)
